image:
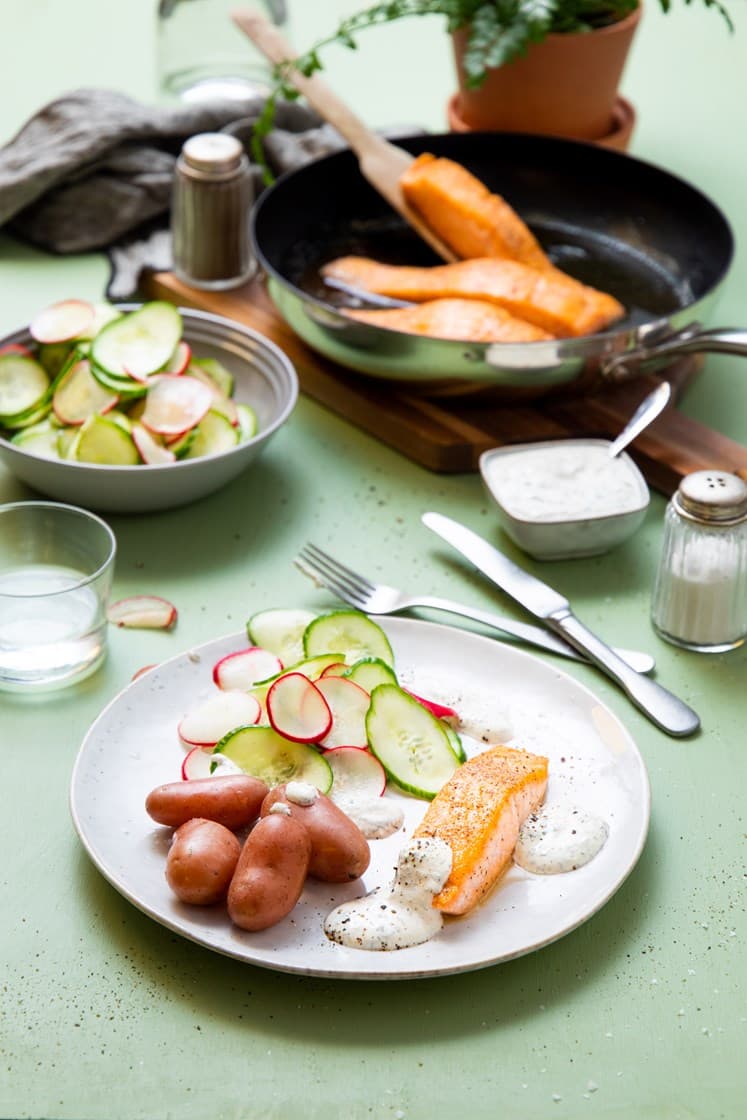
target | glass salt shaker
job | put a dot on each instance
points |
(211, 202)
(700, 592)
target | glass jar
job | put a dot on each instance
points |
(203, 56)
(700, 593)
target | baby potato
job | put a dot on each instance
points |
(339, 850)
(233, 800)
(201, 862)
(270, 874)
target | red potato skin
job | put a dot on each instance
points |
(233, 800)
(339, 850)
(270, 874)
(201, 862)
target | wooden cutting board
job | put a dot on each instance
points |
(448, 434)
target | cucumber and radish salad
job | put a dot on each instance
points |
(315, 698)
(117, 388)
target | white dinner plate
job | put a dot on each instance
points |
(513, 696)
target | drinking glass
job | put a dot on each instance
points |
(56, 568)
(202, 55)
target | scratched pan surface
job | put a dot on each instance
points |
(651, 239)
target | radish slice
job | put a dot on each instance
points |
(150, 450)
(143, 612)
(62, 321)
(79, 395)
(246, 668)
(175, 403)
(336, 669)
(179, 360)
(16, 348)
(297, 709)
(141, 672)
(222, 713)
(348, 703)
(357, 775)
(440, 711)
(196, 764)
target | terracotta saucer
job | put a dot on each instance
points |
(618, 137)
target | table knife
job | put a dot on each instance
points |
(667, 711)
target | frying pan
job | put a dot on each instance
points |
(654, 241)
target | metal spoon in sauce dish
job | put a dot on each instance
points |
(645, 414)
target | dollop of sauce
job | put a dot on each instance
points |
(281, 809)
(222, 766)
(558, 838)
(377, 818)
(564, 481)
(301, 793)
(403, 915)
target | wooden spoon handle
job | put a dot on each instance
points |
(381, 163)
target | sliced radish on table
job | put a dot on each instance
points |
(179, 360)
(143, 612)
(79, 395)
(440, 711)
(246, 668)
(62, 321)
(356, 775)
(150, 450)
(348, 703)
(196, 763)
(221, 713)
(298, 710)
(141, 672)
(175, 403)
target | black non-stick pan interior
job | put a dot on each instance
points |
(615, 222)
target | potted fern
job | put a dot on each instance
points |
(547, 66)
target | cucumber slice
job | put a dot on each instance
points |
(66, 438)
(370, 671)
(54, 355)
(248, 422)
(350, 631)
(280, 630)
(102, 440)
(260, 751)
(181, 445)
(215, 372)
(79, 395)
(34, 415)
(311, 667)
(39, 439)
(455, 743)
(410, 743)
(124, 386)
(23, 386)
(139, 344)
(213, 434)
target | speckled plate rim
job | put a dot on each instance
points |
(132, 746)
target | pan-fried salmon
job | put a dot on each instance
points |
(465, 214)
(479, 813)
(468, 320)
(548, 298)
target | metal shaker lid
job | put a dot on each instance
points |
(712, 497)
(213, 152)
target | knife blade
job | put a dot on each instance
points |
(662, 707)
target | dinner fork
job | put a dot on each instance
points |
(379, 598)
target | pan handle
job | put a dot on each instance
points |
(726, 340)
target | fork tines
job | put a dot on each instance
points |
(337, 577)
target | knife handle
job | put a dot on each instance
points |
(665, 709)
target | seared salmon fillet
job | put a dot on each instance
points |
(465, 214)
(467, 320)
(479, 813)
(547, 298)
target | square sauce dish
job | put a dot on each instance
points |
(565, 498)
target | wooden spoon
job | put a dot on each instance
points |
(381, 163)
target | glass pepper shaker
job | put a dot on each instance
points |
(212, 199)
(700, 592)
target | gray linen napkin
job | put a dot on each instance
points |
(93, 170)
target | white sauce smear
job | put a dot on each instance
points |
(558, 838)
(404, 915)
(377, 818)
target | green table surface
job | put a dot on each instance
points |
(638, 1013)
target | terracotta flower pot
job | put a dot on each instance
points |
(564, 86)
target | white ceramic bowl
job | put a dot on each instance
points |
(565, 498)
(264, 378)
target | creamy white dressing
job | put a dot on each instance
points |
(221, 765)
(376, 818)
(559, 837)
(281, 809)
(403, 915)
(563, 481)
(301, 793)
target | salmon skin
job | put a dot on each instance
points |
(465, 214)
(465, 320)
(479, 813)
(547, 298)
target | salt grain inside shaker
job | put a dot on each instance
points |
(700, 593)
(210, 213)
